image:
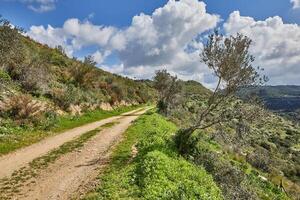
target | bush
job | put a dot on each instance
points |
(64, 97)
(4, 77)
(83, 75)
(35, 78)
(21, 108)
(163, 177)
(260, 159)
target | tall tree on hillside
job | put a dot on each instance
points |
(89, 60)
(232, 64)
(168, 88)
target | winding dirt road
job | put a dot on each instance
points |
(71, 175)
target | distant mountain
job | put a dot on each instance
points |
(283, 99)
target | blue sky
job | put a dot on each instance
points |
(120, 13)
(122, 52)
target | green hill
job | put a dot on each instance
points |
(48, 75)
(282, 99)
(42, 90)
(257, 159)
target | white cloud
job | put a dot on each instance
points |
(74, 35)
(296, 4)
(160, 40)
(166, 38)
(276, 45)
(100, 57)
(39, 5)
(85, 34)
(169, 38)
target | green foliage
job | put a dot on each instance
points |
(156, 172)
(30, 68)
(168, 88)
(236, 178)
(4, 77)
(11, 49)
(282, 99)
(164, 177)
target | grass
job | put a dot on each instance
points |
(145, 165)
(24, 137)
(9, 187)
(110, 124)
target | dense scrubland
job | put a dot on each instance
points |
(197, 144)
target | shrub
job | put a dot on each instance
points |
(35, 78)
(83, 75)
(64, 97)
(4, 77)
(260, 159)
(21, 108)
(50, 120)
(118, 91)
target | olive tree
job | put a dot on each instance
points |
(168, 88)
(232, 64)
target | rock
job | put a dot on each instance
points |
(106, 106)
(262, 178)
(75, 110)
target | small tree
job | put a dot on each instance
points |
(231, 63)
(89, 60)
(83, 75)
(61, 50)
(11, 49)
(168, 88)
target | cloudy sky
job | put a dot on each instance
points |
(136, 37)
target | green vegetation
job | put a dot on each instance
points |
(14, 137)
(10, 186)
(235, 176)
(43, 92)
(146, 165)
(250, 152)
(232, 64)
(253, 158)
(282, 99)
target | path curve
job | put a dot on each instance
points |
(20, 158)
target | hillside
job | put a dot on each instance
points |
(283, 99)
(48, 75)
(248, 160)
(43, 91)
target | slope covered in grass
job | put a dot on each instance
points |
(145, 165)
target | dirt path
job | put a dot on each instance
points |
(71, 175)
(20, 158)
